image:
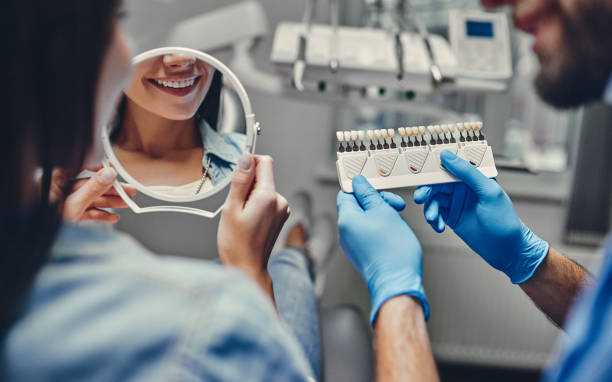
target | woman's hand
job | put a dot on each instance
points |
(89, 195)
(252, 218)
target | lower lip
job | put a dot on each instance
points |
(177, 92)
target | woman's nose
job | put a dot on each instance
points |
(177, 62)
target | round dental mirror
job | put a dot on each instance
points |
(183, 122)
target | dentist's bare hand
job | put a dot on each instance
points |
(89, 196)
(252, 218)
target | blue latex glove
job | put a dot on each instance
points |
(481, 213)
(380, 245)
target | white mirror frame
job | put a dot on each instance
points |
(252, 130)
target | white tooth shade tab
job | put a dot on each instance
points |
(340, 136)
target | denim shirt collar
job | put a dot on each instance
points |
(222, 150)
(607, 97)
(215, 144)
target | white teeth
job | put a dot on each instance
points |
(176, 84)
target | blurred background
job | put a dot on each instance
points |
(481, 327)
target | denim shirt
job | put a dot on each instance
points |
(223, 149)
(106, 309)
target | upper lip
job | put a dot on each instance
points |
(529, 21)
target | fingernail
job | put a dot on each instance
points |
(106, 175)
(245, 161)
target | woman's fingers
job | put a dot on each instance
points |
(111, 201)
(79, 201)
(242, 181)
(264, 173)
(130, 190)
(99, 215)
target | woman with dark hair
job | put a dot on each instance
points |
(83, 304)
(166, 134)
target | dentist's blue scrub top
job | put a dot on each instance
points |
(586, 353)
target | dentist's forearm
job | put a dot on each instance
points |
(401, 342)
(555, 285)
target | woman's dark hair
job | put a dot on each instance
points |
(210, 107)
(53, 53)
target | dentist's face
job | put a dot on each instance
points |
(573, 41)
(171, 86)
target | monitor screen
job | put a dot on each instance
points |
(479, 28)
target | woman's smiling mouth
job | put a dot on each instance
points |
(176, 87)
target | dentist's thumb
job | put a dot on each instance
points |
(466, 172)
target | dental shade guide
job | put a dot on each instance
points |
(361, 135)
(410, 156)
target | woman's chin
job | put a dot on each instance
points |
(179, 116)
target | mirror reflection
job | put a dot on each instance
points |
(179, 129)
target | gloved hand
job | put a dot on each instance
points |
(481, 213)
(379, 243)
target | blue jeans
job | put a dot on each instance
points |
(296, 302)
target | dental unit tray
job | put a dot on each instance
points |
(361, 56)
(411, 156)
